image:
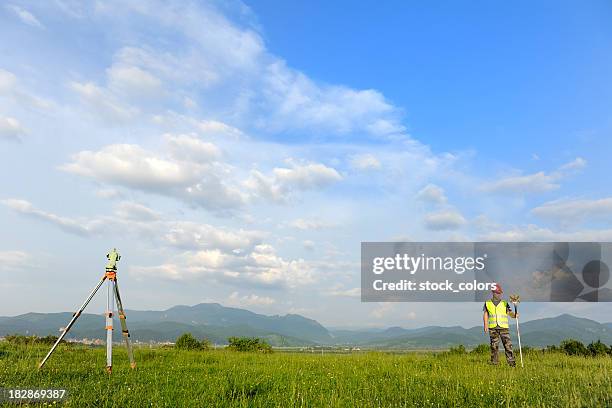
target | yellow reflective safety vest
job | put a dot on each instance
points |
(498, 315)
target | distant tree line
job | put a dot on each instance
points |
(19, 339)
(573, 347)
(188, 342)
(570, 347)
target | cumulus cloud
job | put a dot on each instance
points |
(539, 182)
(444, 220)
(365, 162)
(11, 129)
(191, 148)
(25, 16)
(432, 194)
(225, 66)
(200, 183)
(261, 267)
(576, 209)
(192, 171)
(191, 235)
(285, 180)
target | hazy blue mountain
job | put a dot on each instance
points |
(536, 333)
(217, 323)
(211, 320)
(214, 314)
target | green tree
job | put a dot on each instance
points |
(205, 344)
(573, 348)
(248, 344)
(187, 342)
(481, 349)
(460, 349)
(597, 348)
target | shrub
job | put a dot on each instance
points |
(573, 348)
(187, 342)
(551, 348)
(597, 348)
(248, 344)
(205, 344)
(481, 349)
(460, 349)
(20, 339)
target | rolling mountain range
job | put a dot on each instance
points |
(217, 323)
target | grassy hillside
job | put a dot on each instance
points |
(170, 378)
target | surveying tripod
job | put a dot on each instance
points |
(112, 296)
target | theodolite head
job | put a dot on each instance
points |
(113, 257)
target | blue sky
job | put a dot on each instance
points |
(240, 152)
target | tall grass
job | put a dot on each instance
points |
(177, 378)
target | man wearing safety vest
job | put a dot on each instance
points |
(495, 319)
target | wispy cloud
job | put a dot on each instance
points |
(25, 16)
(539, 182)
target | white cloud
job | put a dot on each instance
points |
(308, 245)
(564, 210)
(365, 162)
(191, 148)
(13, 260)
(67, 224)
(354, 292)
(135, 211)
(235, 299)
(259, 266)
(226, 67)
(285, 180)
(432, 194)
(193, 236)
(539, 182)
(216, 128)
(309, 224)
(25, 16)
(139, 220)
(382, 310)
(11, 129)
(535, 233)
(531, 183)
(134, 82)
(10, 88)
(295, 101)
(8, 82)
(444, 220)
(103, 104)
(576, 164)
(108, 193)
(198, 183)
(132, 166)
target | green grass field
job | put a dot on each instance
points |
(172, 378)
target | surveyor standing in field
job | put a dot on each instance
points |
(495, 319)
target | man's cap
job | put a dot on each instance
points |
(498, 289)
